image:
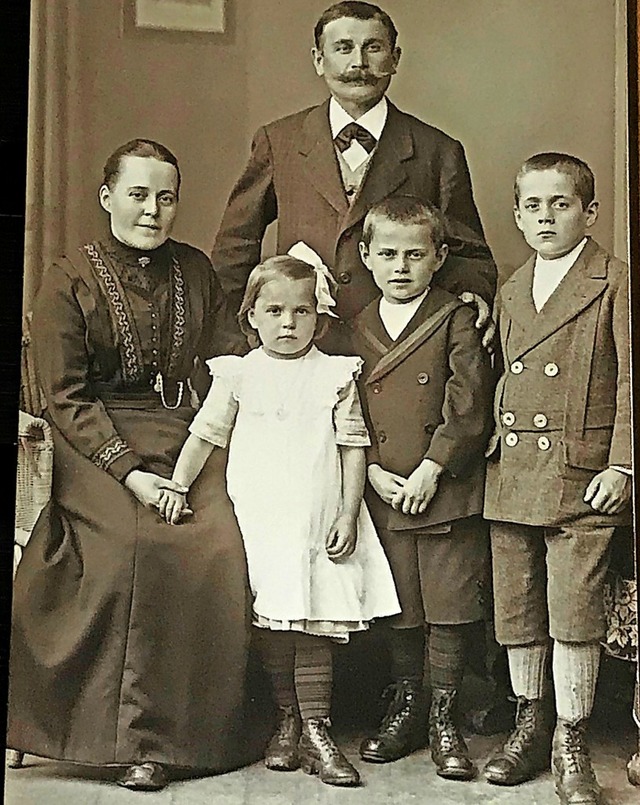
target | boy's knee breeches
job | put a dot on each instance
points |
(440, 578)
(549, 581)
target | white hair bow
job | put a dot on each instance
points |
(324, 300)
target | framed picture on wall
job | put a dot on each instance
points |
(204, 16)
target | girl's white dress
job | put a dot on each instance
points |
(284, 421)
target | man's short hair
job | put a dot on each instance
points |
(358, 11)
(406, 210)
(579, 171)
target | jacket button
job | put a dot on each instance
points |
(544, 443)
(551, 369)
(423, 378)
(517, 367)
(540, 421)
(511, 439)
(376, 388)
(382, 437)
(508, 418)
(344, 277)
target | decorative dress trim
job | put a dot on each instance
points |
(128, 337)
(109, 452)
(178, 317)
(126, 331)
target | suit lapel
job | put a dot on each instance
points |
(434, 310)
(369, 325)
(583, 283)
(321, 163)
(387, 171)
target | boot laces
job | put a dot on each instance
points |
(400, 699)
(448, 736)
(576, 754)
(524, 729)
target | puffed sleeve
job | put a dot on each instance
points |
(348, 419)
(59, 335)
(214, 421)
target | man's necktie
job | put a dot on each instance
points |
(353, 131)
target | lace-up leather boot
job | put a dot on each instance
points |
(282, 752)
(448, 748)
(527, 750)
(401, 731)
(575, 780)
(144, 777)
(320, 755)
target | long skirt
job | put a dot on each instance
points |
(130, 636)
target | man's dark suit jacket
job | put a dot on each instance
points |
(293, 176)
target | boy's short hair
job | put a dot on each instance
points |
(280, 266)
(358, 11)
(406, 210)
(579, 171)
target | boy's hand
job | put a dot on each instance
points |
(386, 484)
(173, 506)
(484, 321)
(341, 541)
(609, 492)
(419, 489)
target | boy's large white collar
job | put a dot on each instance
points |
(373, 121)
(564, 262)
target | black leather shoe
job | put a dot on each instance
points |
(448, 748)
(144, 777)
(320, 755)
(282, 752)
(527, 750)
(401, 731)
(573, 773)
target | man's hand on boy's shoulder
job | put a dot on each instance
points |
(484, 321)
(609, 491)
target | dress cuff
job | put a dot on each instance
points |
(625, 470)
(117, 458)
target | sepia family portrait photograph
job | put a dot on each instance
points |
(325, 455)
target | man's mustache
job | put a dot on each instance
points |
(370, 77)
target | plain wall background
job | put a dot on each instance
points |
(506, 77)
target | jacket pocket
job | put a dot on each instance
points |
(590, 452)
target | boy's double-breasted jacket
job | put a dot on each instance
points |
(293, 176)
(427, 395)
(562, 404)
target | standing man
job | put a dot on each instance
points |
(320, 170)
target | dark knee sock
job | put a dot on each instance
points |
(407, 654)
(447, 656)
(277, 650)
(313, 676)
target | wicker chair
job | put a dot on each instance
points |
(35, 465)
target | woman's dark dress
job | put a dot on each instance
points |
(130, 636)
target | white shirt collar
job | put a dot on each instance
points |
(563, 263)
(373, 121)
(396, 317)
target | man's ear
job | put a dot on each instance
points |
(591, 213)
(104, 196)
(318, 60)
(395, 56)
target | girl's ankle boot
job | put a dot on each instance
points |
(282, 752)
(320, 755)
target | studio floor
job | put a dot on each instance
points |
(413, 779)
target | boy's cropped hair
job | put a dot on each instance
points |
(406, 210)
(579, 171)
(358, 11)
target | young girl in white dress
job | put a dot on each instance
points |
(296, 471)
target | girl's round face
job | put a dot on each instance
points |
(142, 202)
(285, 317)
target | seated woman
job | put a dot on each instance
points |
(130, 636)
